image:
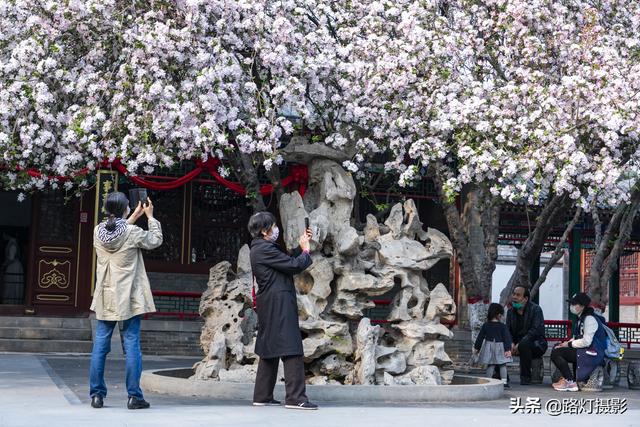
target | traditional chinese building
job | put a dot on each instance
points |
(48, 259)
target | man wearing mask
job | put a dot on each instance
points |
(525, 321)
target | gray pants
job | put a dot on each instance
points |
(503, 371)
(293, 379)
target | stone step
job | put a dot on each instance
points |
(45, 322)
(44, 346)
(46, 333)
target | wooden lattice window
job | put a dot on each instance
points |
(218, 224)
(169, 210)
(55, 216)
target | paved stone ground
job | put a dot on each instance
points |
(52, 390)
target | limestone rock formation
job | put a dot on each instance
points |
(350, 270)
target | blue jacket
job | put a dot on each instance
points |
(589, 358)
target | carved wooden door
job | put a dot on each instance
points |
(55, 261)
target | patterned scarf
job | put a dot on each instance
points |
(106, 236)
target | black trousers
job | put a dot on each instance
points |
(527, 352)
(293, 379)
(561, 357)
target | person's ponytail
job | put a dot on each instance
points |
(115, 207)
(111, 223)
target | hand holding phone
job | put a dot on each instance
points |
(138, 195)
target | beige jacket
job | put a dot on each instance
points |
(122, 286)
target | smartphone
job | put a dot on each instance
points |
(137, 195)
(306, 223)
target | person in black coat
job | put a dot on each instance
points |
(525, 321)
(279, 334)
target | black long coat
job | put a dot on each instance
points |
(278, 329)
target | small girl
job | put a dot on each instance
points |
(494, 343)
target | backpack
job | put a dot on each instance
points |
(613, 349)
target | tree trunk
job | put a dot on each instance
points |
(611, 245)
(474, 235)
(247, 173)
(557, 253)
(478, 293)
(276, 181)
(551, 213)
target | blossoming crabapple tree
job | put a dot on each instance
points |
(155, 82)
(520, 101)
(500, 101)
(583, 57)
(610, 241)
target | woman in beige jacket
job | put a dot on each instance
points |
(122, 292)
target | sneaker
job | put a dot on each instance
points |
(572, 386)
(135, 403)
(505, 383)
(96, 401)
(566, 386)
(271, 402)
(303, 405)
(558, 383)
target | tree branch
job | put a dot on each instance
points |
(557, 253)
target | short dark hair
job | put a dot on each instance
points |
(115, 205)
(259, 222)
(527, 291)
(494, 311)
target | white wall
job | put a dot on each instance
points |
(551, 292)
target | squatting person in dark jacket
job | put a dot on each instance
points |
(525, 321)
(278, 330)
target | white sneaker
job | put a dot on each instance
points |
(303, 405)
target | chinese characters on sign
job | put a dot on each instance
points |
(555, 407)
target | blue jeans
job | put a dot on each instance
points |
(133, 355)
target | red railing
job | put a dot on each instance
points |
(184, 305)
(628, 333)
(180, 305)
(560, 330)
(557, 330)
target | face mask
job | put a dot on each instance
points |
(126, 214)
(274, 234)
(517, 305)
(574, 309)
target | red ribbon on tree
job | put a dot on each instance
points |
(477, 299)
(35, 174)
(298, 175)
(153, 185)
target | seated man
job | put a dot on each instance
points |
(526, 324)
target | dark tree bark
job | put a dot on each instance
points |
(552, 212)
(246, 171)
(474, 235)
(609, 248)
(557, 253)
(276, 181)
